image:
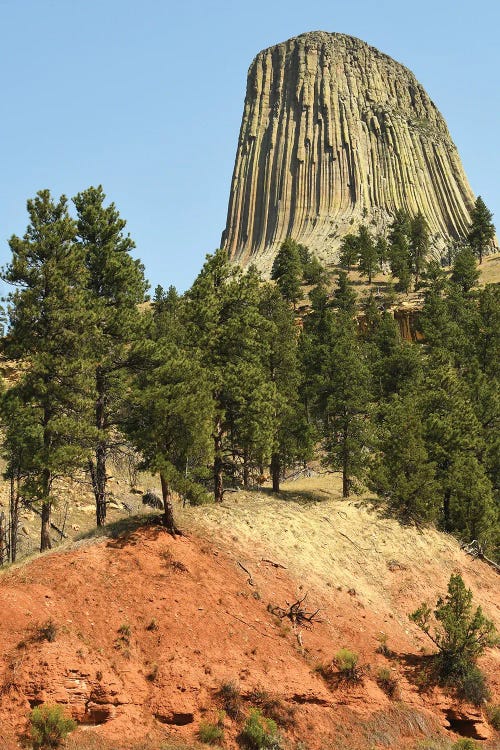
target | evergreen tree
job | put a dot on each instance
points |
(342, 389)
(481, 230)
(292, 435)
(169, 416)
(116, 284)
(399, 249)
(382, 250)
(344, 298)
(402, 472)
(348, 251)
(464, 272)
(452, 434)
(367, 254)
(419, 244)
(50, 332)
(227, 326)
(287, 271)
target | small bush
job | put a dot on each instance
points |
(387, 682)
(211, 734)
(231, 699)
(347, 664)
(464, 744)
(273, 708)
(470, 685)
(383, 648)
(48, 727)
(259, 733)
(153, 672)
(47, 631)
(125, 630)
(493, 715)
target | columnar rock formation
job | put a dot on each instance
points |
(335, 133)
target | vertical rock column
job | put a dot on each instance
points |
(335, 133)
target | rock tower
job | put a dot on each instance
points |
(335, 133)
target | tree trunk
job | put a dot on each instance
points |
(99, 475)
(446, 510)
(45, 542)
(345, 462)
(275, 471)
(218, 465)
(168, 506)
(246, 470)
(14, 516)
(4, 554)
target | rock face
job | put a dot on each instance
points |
(335, 133)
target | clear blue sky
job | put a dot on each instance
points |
(145, 97)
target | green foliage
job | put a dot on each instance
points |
(348, 251)
(368, 255)
(461, 635)
(401, 471)
(313, 271)
(230, 696)
(212, 733)
(387, 681)
(465, 743)
(116, 285)
(347, 665)
(419, 244)
(259, 733)
(481, 230)
(49, 727)
(50, 320)
(287, 271)
(399, 250)
(493, 714)
(464, 271)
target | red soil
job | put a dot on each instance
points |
(147, 628)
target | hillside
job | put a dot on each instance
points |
(144, 629)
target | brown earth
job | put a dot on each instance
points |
(145, 629)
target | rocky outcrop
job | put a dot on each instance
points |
(335, 133)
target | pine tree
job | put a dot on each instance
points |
(399, 249)
(291, 433)
(481, 230)
(419, 244)
(287, 271)
(50, 332)
(116, 284)
(401, 471)
(464, 272)
(226, 325)
(367, 254)
(348, 251)
(169, 416)
(342, 388)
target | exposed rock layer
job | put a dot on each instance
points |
(335, 133)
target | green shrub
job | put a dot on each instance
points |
(464, 744)
(47, 631)
(211, 734)
(461, 635)
(470, 684)
(273, 708)
(231, 699)
(388, 682)
(493, 715)
(347, 664)
(49, 726)
(259, 733)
